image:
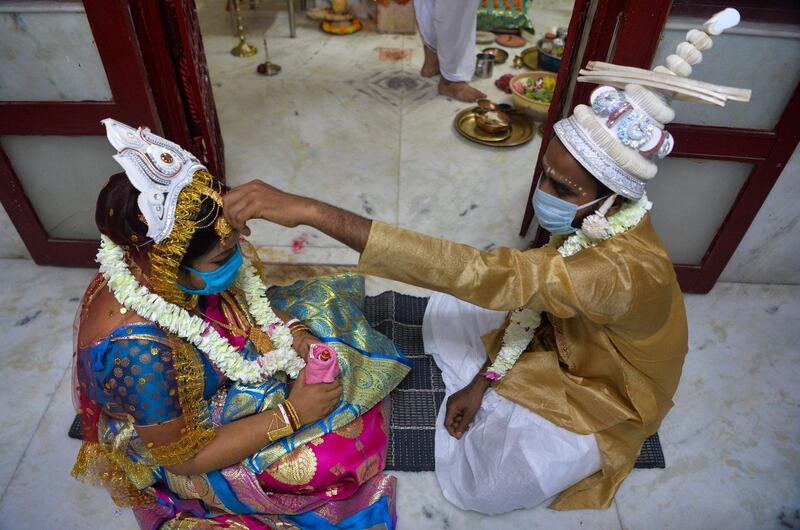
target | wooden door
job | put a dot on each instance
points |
(170, 39)
(138, 61)
(725, 162)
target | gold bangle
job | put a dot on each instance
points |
(278, 429)
(293, 417)
(294, 328)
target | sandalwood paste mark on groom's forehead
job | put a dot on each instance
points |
(563, 184)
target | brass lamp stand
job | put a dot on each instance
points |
(243, 49)
(268, 68)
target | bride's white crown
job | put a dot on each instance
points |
(621, 135)
(156, 167)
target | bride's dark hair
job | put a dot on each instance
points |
(117, 216)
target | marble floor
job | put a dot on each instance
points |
(732, 442)
(350, 120)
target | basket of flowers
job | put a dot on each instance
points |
(534, 91)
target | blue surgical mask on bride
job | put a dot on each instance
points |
(220, 278)
(556, 215)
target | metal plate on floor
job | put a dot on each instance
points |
(522, 130)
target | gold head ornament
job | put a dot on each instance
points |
(172, 185)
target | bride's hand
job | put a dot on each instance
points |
(302, 342)
(313, 402)
(259, 200)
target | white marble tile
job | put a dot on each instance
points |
(459, 190)
(311, 55)
(421, 506)
(318, 133)
(305, 251)
(732, 441)
(322, 128)
(43, 494)
(770, 250)
(36, 325)
(330, 141)
(11, 245)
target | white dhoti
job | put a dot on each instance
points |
(448, 27)
(510, 457)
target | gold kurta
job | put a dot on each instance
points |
(617, 316)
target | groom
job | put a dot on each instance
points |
(604, 365)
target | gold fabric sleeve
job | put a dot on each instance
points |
(592, 284)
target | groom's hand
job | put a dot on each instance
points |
(463, 405)
(259, 200)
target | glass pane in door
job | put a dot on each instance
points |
(762, 55)
(47, 53)
(690, 200)
(62, 176)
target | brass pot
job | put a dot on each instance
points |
(492, 126)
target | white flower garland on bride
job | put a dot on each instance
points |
(133, 295)
(524, 321)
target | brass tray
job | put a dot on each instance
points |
(500, 55)
(522, 130)
(530, 58)
(468, 127)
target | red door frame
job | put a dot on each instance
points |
(769, 151)
(140, 42)
(170, 40)
(131, 102)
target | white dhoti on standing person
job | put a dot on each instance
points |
(448, 27)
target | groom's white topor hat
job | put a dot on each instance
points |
(618, 138)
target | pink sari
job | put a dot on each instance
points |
(331, 482)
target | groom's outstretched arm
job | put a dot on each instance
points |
(503, 279)
(258, 200)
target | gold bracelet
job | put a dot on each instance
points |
(278, 429)
(294, 328)
(293, 417)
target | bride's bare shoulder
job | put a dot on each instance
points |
(101, 314)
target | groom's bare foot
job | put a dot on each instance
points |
(430, 67)
(459, 90)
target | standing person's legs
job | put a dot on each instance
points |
(455, 22)
(424, 10)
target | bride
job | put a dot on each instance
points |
(207, 400)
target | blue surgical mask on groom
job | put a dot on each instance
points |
(220, 278)
(556, 215)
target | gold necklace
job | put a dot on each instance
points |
(245, 328)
